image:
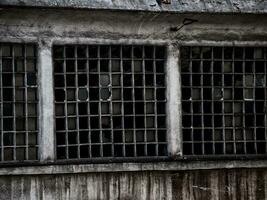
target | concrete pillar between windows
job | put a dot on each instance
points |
(174, 102)
(46, 104)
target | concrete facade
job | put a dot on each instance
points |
(178, 179)
(175, 6)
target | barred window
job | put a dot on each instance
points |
(223, 100)
(110, 101)
(18, 102)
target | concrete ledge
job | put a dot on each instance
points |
(179, 6)
(131, 167)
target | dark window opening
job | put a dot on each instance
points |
(18, 102)
(223, 100)
(110, 101)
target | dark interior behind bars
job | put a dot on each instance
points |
(110, 101)
(223, 100)
(18, 102)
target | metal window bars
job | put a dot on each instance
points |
(18, 102)
(223, 100)
(110, 101)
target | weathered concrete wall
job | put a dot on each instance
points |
(178, 6)
(81, 25)
(189, 185)
(78, 24)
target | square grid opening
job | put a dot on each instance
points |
(223, 100)
(18, 102)
(110, 101)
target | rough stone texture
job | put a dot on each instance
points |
(194, 185)
(180, 6)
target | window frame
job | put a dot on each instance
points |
(172, 72)
(26, 161)
(231, 157)
(47, 164)
(155, 99)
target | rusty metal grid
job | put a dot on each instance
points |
(223, 101)
(18, 103)
(110, 101)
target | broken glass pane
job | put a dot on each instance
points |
(104, 80)
(105, 93)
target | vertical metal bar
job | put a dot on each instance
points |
(122, 101)
(191, 103)
(222, 112)
(1, 90)
(144, 93)
(232, 87)
(14, 100)
(212, 106)
(133, 94)
(174, 101)
(155, 94)
(212, 110)
(243, 102)
(77, 104)
(26, 106)
(88, 105)
(36, 100)
(46, 118)
(254, 103)
(201, 97)
(110, 102)
(99, 59)
(66, 102)
(232, 104)
(265, 97)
